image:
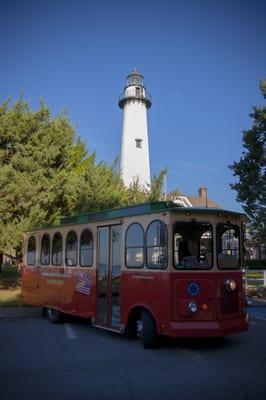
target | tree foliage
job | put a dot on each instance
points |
(251, 171)
(46, 172)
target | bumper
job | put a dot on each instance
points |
(207, 329)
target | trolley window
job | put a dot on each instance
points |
(86, 248)
(193, 245)
(157, 245)
(45, 250)
(228, 245)
(71, 249)
(57, 249)
(31, 251)
(135, 246)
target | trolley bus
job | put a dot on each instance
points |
(144, 270)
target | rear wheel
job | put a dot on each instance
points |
(53, 315)
(148, 331)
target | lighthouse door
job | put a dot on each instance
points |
(108, 276)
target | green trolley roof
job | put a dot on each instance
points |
(141, 209)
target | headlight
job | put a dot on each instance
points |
(192, 307)
(230, 285)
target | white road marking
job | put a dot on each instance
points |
(192, 354)
(70, 332)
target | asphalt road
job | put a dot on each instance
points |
(40, 360)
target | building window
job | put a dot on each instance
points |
(71, 249)
(139, 143)
(135, 246)
(57, 248)
(31, 253)
(86, 248)
(157, 245)
(45, 250)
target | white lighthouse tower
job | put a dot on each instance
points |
(134, 159)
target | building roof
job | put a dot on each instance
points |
(135, 72)
(200, 201)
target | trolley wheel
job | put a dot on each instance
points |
(148, 330)
(53, 315)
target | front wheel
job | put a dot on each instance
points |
(148, 330)
(53, 315)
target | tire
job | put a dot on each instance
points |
(149, 333)
(53, 316)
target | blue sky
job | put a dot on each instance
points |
(202, 61)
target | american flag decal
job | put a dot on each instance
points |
(83, 283)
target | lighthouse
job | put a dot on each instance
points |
(134, 158)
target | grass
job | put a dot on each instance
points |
(254, 279)
(10, 287)
(10, 298)
(254, 275)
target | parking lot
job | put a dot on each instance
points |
(72, 360)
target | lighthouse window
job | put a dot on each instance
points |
(139, 143)
(136, 80)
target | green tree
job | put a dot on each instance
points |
(251, 171)
(44, 172)
(155, 193)
(137, 194)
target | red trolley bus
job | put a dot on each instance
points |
(145, 270)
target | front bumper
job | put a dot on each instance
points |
(207, 328)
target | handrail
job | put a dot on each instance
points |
(132, 93)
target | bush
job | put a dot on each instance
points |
(10, 291)
(9, 278)
(256, 264)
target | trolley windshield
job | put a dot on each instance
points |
(193, 245)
